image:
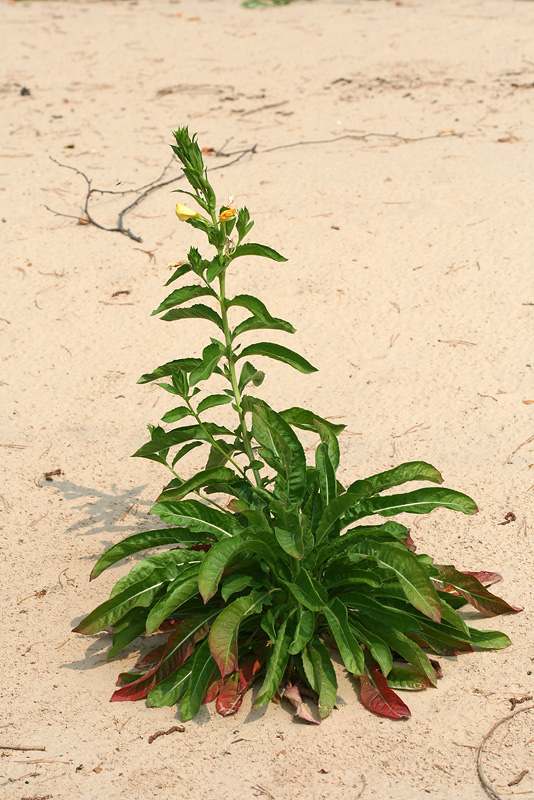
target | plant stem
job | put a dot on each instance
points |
(213, 441)
(233, 375)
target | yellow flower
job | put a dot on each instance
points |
(224, 216)
(183, 212)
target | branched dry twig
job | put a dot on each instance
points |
(483, 780)
(142, 192)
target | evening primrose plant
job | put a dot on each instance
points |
(268, 569)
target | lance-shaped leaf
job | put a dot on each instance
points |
(379, 698)
(236, 685)
(127, 630)
(307, 591)
(225, 629)
(172, 688)
(273, 433)
(139, 594)
(306, 420)
(142, 541)
(261, 319)
(165, 440)
(182, 295)
(185, 364)
(379, 650)
(197, 311)
(485, 578)
(326, 475)
(204, 668)
(253, 249)
(335, 510)
(303, 632)
(475, 593)
(422, 501)
(212, 401)
(213, 690)
(276, 666)
(179, 272)
(198, 518)
(411, 575)
(176, 414)
(406, 648)
(205, 477)
(323, 677)
(410, 471)
(179, 591)
(406, 679)
(170, 560)
(180, 645)
(222, 554)
(278, 353)
(337, 617)
(211, 355)
(489, 640)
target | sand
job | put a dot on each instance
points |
(409, 280)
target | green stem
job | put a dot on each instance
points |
(197, 492)
(213, 441)
(233, 376)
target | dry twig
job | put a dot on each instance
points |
(20, 747)
(174, 729)
(482, 749)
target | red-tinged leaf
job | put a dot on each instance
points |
(126, 677)
(379, 698)
(437, 668)
(180, 645)
(169, 625)
(213, 691)
(248, 672)
(204, 547)
(151, 659)
(485, 578)
(292, 694)
(230, 698)
(410, 544)
(469, 587)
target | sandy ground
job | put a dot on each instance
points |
(409, 280)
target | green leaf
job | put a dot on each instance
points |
(197, 311)
(278, 353)
(261, 317)
(182, 295)
(422, 501)
(377, 647)
(127, 629)
(249, 374)
(142, 541)
(225, 629)
(326, 475)
(253, 249)
(212, 401)
(140, 594)
(291, 541)
(334, 511)
(272, 432)
(256, 324)
(172, 688)
(204, 668)
(236, 583)
(183, 451)
(276, 666)
(489, 640)
(185, 364)
(407, 649)
(410, 471)
(197, 517)
(325, 676)
(179, 591)
(306, 420)
(211, 355)
(337, 617)
(411, 575)
(205, 477)
(171, 560)
(243, 223)
(176, 414)
(166, 440)
(303, 631)
(406, 679)
(222, 554)
(307, 591)
(179, 272)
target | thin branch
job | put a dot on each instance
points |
(143, 192)
(483, 780)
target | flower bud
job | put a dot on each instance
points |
(183, 212)
(224, 216)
